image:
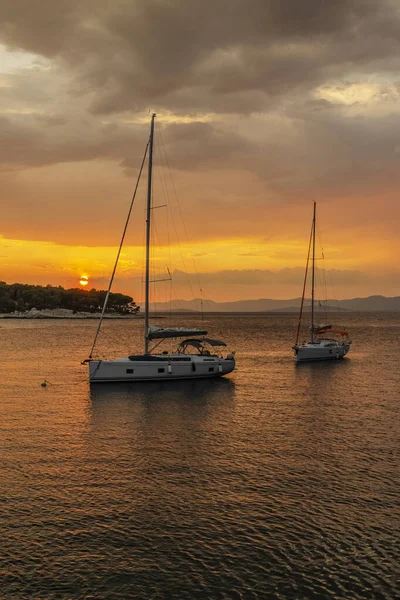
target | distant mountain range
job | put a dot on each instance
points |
(370, 304)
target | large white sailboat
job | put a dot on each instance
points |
(196, 356)
(326, 343)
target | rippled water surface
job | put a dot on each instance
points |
(276, 482)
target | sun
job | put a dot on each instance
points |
(84, 280)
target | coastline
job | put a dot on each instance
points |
(63, 313)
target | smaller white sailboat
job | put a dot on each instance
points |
(326, 343)
(196, 356)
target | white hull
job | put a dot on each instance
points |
(324, 350)
(160, 367)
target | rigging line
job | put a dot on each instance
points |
(142, 270)
(160, 175)
(156, 236)
(181, 253)
(304, 288)
(119, 252)
(313, 276)
(148, 236)
(163, 180)
(333, 287)
(328, 275)
(320, 308)
(181, 215)
(115, 338)
(325, 271)
(164, 186)
(323, 278)
(174, 189)
(150, 243)
(184, 226)
(201, 302)
(207, 304)
(161, 295)
(326, 290)
(170, 266)
(153, 232)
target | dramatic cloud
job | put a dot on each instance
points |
(194, 55)
(263, 105)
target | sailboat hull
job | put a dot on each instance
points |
(320, 351)
(159, 368)
(321, 347)
(182, 364)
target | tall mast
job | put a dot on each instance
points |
(304, 286)
(313, 275)
(148, 218)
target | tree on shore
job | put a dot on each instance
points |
(24, 297)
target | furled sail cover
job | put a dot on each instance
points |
(172, 332)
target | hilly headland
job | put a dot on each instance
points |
(20, 300)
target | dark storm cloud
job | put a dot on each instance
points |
(187, 55)
(229, 56)
(37, 140)
(190, 56)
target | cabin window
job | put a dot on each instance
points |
(211, 369)
(129, 370)
(161, 370)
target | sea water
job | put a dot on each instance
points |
(278, 481)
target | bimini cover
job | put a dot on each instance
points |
(340, 332)
(199, 343)
(322, 328)
(156, 333)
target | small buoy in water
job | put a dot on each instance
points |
(44, 383)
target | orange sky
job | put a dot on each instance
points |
(257, 118)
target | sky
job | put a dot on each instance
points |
(263, 107)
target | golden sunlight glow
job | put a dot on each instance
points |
(231, 258)
(13, 61)
(361, 92)
(168, 117)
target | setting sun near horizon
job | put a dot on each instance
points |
(250, 130)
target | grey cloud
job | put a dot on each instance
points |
(193, 54)
(322, 153)
(40, 27)
(236, 56)
(112, 60)
(29, 141)
(51, 119)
